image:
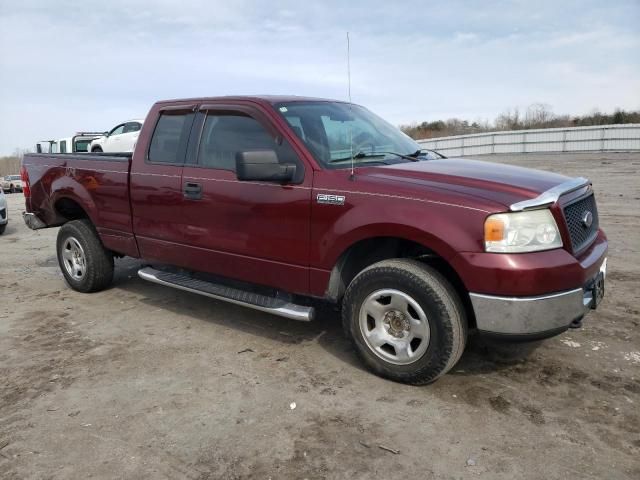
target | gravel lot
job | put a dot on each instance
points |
(143, 381)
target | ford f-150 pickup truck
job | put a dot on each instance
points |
(276, 202)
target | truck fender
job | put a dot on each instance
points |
(69, 187)
(388, 230)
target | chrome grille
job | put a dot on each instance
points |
(581, 233)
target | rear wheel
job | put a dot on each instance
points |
(86, 265)
(405, 320)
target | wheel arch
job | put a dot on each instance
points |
(68, 207)
(367, 251)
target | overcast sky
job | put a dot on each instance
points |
(82, 65)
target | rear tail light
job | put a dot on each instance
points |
(26, 186)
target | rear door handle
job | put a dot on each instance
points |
(192, 191)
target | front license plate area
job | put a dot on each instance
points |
(597, 290)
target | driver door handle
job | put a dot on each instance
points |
(192, 191)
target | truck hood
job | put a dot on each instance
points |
(504, 184)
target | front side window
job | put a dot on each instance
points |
(226, 134)
(170, 137)
(117, 131)
(334, 131)
(63, 146)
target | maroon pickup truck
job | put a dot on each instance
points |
(276, 202)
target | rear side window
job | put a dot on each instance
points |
(169, 140)
(63, 146)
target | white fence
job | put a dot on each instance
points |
(604, 138)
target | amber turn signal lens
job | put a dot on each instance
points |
(493, 230)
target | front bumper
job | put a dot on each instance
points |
(534, 317)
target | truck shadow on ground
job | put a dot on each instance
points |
(480, 356)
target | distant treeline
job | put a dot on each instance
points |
(535, 116)
(10, 165)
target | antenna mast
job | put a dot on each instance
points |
(350, 109)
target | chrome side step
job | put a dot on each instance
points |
(273, 305)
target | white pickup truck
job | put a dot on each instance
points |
(121, 138)
(79, 142)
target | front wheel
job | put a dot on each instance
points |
(96, 150)
(406, 321)
(86, 265)
(3, 228)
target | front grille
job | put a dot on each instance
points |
(3, 213)
(581, 233)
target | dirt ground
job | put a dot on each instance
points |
(142, 381)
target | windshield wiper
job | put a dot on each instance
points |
(357, 156)
(410, 156)
(361, 154)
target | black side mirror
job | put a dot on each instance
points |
(263, 166)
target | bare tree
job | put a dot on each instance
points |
(538, 115)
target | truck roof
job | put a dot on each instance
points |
(272, 99)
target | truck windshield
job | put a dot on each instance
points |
(336, 131)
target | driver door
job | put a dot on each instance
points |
(248, 230)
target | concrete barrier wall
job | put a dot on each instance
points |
(604, 138)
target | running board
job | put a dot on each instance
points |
(273, 305)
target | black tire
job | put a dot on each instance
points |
(440, 304)
(98, 261)
(96, 150)
(3, 228)
(12, 189)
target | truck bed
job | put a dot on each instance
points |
(98, 182)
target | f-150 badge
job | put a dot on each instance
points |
(326, 198)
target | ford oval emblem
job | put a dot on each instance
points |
(587, 219)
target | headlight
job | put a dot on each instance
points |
(517, 232)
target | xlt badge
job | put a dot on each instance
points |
(330, 199)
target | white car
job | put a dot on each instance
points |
(4, 212)
(121, 138)
(12, 183)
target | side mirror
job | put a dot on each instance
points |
(263, 166)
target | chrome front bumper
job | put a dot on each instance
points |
(538, 316)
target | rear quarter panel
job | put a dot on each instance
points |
(98, 184)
